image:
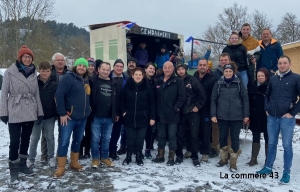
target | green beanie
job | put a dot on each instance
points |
(82, 61)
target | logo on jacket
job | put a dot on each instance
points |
(189, 86)
(157, 86)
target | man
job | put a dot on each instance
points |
(131, 64)
(207, 81)
(141, 55)
(196, 58)
(129, 49)
(47, 89)
(73, 107)
(105, 101)
(281, 107)
(253, 50)
(271, 51)
(170, 98)
(58, 70)
(119, 76)
(189, 121)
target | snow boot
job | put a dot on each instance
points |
(179, 160)
(74, 164)
(255, 151)
(138, 159)
(61, 167)
(160, 158)
(233, 159)
(127, 160)
(171, 158)
(14, 171)
(23, 165)
(224, 152)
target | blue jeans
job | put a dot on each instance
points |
(244, 76)
(101, 130)
(76, 126)
(286, 126)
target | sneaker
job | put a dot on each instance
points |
(121, 151)
(107, 162)
(52, 163)
(148, 154)
(178, 160)
(196, 162)
(30, 164)
(265, 170)
(285, 179)
(204, 158)
(95, 163)
(187, 154)
(213, 153)
(114, 156)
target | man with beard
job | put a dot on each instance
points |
(131, 64)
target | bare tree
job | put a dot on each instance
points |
(259, 22)
(289, 28)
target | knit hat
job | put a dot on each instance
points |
(25, 50)
(229, 66)
(131, 59)
(118, 61)
(129, 45)
(178, 66)
(91, 61)
(163, 47)
(81, 61)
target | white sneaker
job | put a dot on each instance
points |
(30, 164)
(52, 163)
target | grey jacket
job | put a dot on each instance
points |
(20, 99)
(229, 101)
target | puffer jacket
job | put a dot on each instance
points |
(229, 101)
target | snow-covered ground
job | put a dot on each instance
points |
(156, 177)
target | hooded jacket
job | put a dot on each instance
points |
(229, 101)
(141, 56)
(161, 58)
(170, 97)
(238, 54)
(73, 96)
(139, 104)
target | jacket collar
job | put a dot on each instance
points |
(260, 42)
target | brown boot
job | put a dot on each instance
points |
(74, 164)
(233, 159)
(255, 151)
(160, 158)
(171, 158)
(224, 152)
(61, 167)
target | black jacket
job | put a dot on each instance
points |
(238, 54)
(229, 101)
(115, 97)
(258, 116)
(138, 101)
(207, 83)
(282, 93)
(170, 97)
(47, 93)
(54, 75)
(195, 94)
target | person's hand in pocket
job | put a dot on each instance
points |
(287, 115)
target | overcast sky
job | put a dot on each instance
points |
(186, 17)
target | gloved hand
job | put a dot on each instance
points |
(4, 119)
(40, 120)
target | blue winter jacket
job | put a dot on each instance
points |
(161, 59)
(269, 55)
(281, 95)
(73, 96)
(141, 55)
(196, 61)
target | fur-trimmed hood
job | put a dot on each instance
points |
(239, 42)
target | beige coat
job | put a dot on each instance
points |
(20, 99)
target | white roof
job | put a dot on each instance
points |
(290, 43)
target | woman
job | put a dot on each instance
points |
(258, 117)
(162, 57)
(150, 72)
(238, 54)
(138, 109)
(229, 108)
(20, 107)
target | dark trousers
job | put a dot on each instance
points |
(189, 127)
(86, 140)
(115, 135)
(205, 132)
(162, 129)
(256, 137)
(135, 138)
(149, 137)
(19, 135)
(235, 127)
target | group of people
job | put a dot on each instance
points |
(96, 105)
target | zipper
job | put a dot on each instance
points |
(84, 99)
(135, 109)
(277, 96)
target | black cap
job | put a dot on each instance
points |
(229, 66)
(131, 59)
(118, 61)
(163, 47)
(98, 62)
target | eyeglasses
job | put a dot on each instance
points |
(27, 57)
(119, 66)
(60, 60)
